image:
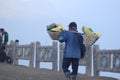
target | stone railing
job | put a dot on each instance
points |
(47, 54)
(103, 60)
(33, 52)
(24, 52)
(106, 60)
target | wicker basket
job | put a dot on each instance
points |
(90, 40)
(54, 35)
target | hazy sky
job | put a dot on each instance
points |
(26, 20)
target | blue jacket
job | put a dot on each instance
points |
(73, 43)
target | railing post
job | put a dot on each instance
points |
(95, 60)
(55, 49)
(61, 54)
(38, 45)
(89, 60)
(32, 47)
(15, 57)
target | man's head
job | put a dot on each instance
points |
(1, 30)
(72, 26)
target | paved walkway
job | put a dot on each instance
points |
(15, 72)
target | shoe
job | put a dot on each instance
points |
(73, 77)
(67, 75)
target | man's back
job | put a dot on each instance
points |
(73, 43)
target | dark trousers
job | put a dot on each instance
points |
(70, 61)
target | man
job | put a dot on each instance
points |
(3, 38)
(3, 43)
(72, 52)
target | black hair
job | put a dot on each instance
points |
(72, 24)
(1, 29)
